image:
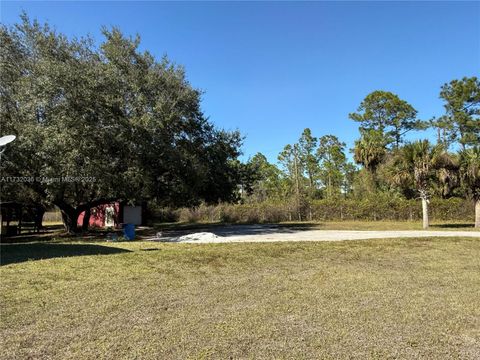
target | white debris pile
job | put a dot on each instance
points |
(202, 237)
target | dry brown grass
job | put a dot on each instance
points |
(390, 225)
(414, 298)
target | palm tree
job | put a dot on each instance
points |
(370, 150)
(470, 175)
(418, 162)
(447, 176)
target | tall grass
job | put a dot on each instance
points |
(372, 209)
(52, 216)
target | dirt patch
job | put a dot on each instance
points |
(268, 233)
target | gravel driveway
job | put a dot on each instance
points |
(271, 233)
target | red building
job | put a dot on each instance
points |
(113, 214)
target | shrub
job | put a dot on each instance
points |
(378, 207)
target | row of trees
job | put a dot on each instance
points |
(102, 123)
(316, 168)
(109, 122)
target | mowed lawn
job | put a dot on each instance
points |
(398, 299)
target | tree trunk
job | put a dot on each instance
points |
(477, 213)
(297, 187)
(329, 190)
(425, 212)
(86, 219)
(40, 211)
(70, 214)
(69, 219)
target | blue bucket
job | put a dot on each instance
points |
(129, 231)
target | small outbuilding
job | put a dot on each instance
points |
(114, 214)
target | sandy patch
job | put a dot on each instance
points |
(307, 235)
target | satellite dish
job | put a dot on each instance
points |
(4, 140)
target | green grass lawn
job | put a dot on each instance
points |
(397, 299)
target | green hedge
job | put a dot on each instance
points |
(381, 207)
(392, 209)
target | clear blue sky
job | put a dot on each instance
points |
(271, 69)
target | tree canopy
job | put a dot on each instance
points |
(106, 123)
(386, 113)
(461, 121)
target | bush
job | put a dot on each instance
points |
(378, 207)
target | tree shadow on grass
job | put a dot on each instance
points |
(454, 226)
(16, 253)
(226, 230)
(56, 232)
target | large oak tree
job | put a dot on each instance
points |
(108, 122)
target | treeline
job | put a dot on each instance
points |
(125, 126)
(387, 169)
(343, 209)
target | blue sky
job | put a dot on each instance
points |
(272, 69)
